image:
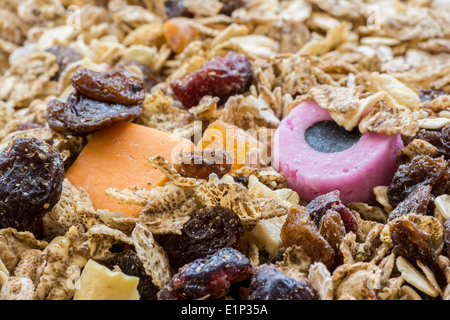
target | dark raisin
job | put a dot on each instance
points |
(228, 6)
(130, 264)
(220, 77)
(269, 283)
(416, 202)
(28, 126)
(319, 206)
(121, 85)
(176, 8)
(200, 164)
(429, 94)
(242, 180)
(439, 139)
(83, 115)
(422, 170)
(410, 241)
(447, 236)
(300, 230)
(208, 230)
(31, 176)
(208, 278)
(65, 55)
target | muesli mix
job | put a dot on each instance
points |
(224, 149)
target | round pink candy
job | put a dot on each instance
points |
(354, 172)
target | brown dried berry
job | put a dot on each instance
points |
(176, 8)
(447, 236)
(31, 176)
(121, 85)
(200, 164)
(208, 230)
(28, 126)
(416, 202)
(65, 55)
(429, 94)
(269, 283)
(82, 115)
(439, 139)
(332, 229)
(410, 241)
(228, 6)
(301, 231)
(220, 77)
(422, 170)
(208, 278)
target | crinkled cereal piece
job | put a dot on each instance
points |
(18, 288)
(321, 280)
(153, 256)
(295, 263)
(346, 105)
(389, 119)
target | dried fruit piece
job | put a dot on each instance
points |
(269, 283)
(200, 164)
(422, 170)
(83, 115)
(208, 230)
(179, 32)
(228, 6)
(429, 94)
(208, 278)
(121, 86)
(28, 126)
(447, 236)
(321, 204)
(176, 8)
(439, 139)
(220, 77)
(31, 177)
(65, 55)
(410, 241)
(130, 264)
(300, 230)
(332, 229)
(416, 202)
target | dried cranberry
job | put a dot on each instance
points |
(422, 170)
(208, 278)
(208, 230)
(121, 85)
(319, 206)
(268, 283)
(219, 77)
(31, 176)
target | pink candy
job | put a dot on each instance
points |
(354, 172)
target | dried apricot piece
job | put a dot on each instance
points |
(121, 85)
(179, 32)
(31, 176)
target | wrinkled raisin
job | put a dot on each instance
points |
(121, 85)
(83, 115)
(200, 164)
(447, 236)
(228, 6)
(300, 230)
(410, 241)
(269, 283)
(208, 278)
(219, 77)
(429, 94)
(31, 176)
(28, 126)
(319, 206)
(422, 170)
(65, 55)
(439, 139)
(332, 229)
(130, 264)
(416, 202)
(208, 230)
(176, 8)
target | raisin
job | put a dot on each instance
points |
(300, 230)
(332, 230)
(416, 202)
(65, 55)
(28, 126)
(269, 283)
(200, 164)
(176, 8)
(130, 264)
(439, 139)
(447, 236)
(208, 230)
(121, 85)
(228, 6)
(429, 94)
(31, 176)
(208, 278)
(422, 170)
(319, 206)
(410, 241)
(220, 77)
(83, 115)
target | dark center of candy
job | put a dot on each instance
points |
(329, 137)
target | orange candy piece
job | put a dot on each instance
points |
(118, 157)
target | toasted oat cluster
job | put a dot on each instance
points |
(216, 227)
